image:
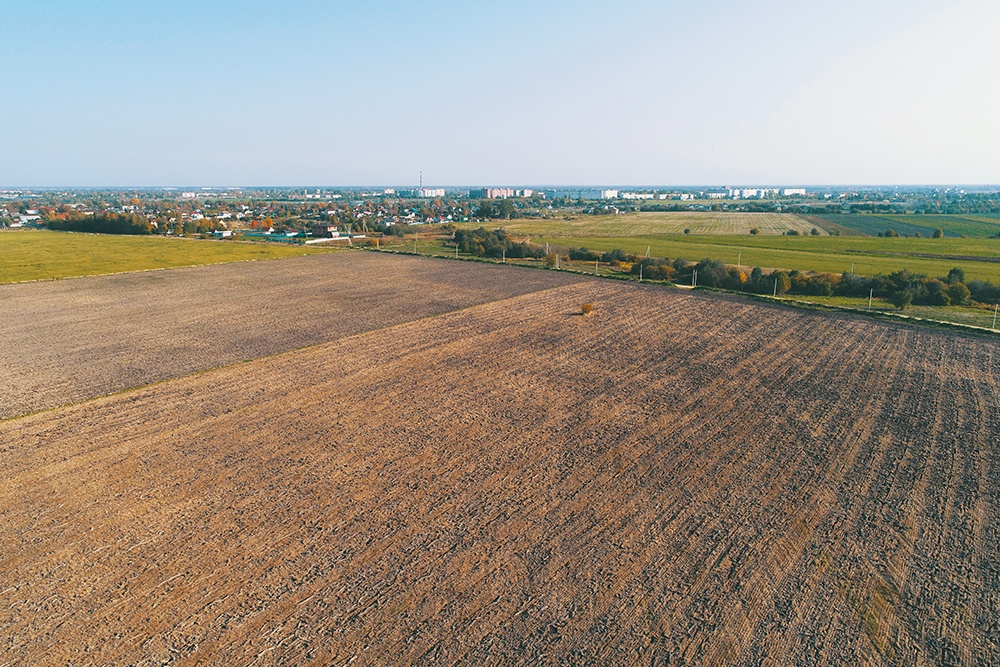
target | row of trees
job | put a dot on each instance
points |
(610, 257)
(901, 288)
(495, 244)
(492, 209)
(101, 223)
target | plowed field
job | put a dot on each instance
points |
(69, 340)
(676, 479)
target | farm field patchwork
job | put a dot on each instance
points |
(665, 223)
(69, 340)
(951, 225)
(826, 254)
(678, 478)
(43, 255)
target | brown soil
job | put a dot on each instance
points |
(677, 479)
(69, 340)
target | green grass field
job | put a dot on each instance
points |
(958, 225)
(978, 257)
(668, 223)
(951, 225)
(43, 255)
(869, 256)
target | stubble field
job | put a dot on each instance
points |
(676, 479)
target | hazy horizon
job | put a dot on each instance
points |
(260, 94)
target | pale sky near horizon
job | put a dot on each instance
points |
(550, 92)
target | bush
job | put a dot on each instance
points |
(959, 294)
(782, 280)
(822, 284)
(582, 254)
(495, 244)
(616, 255)
(901, 299)
(711, 273)
(653, 269)
(586, 308)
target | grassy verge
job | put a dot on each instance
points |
(44, 255)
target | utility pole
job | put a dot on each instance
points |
(595, 266)
(775, 294)
(504, 259)
(870, 293)
(995, 308)
(694, 278)
(852, 269)
(647, 252)
(640, 273)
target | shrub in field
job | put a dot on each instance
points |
(586, 308)
(582, 254)
(936, 293)
(754, 231)
(821, 284)
(959, 294)
(616, 255)
(901, 299)
(781, 282)
(984, 291)
(495, 244)
(711, 273)
(653, 269)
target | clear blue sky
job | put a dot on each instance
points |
(345, 92)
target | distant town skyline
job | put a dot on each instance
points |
(258, 93)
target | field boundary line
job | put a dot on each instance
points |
(898, 318)
(791, 303)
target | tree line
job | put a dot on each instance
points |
(495, 244)
(100, 223)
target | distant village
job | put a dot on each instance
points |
(348, 212)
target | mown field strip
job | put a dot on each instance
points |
(675, 478)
